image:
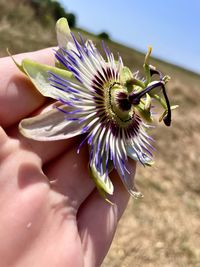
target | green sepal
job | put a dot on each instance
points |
(102, 184)
(101, 187)
(39, 75)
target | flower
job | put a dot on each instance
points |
(100, 99)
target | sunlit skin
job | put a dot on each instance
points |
(50, 212)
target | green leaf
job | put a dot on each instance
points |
(39, 75)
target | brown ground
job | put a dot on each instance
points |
(163, 228)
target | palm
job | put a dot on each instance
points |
(56, 221)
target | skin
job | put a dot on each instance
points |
(50, 212)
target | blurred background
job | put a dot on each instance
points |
(163, 228)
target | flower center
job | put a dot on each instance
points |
(118, 105)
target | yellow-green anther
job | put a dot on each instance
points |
(147, 105)
(174, 107)
(166, 79)
(147, 67)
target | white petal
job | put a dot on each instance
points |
(50, 126)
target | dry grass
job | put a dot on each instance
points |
(162, 229)
(20, 31)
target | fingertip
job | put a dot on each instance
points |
(3, 136)
(18, 97)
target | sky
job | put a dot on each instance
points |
(172, 27)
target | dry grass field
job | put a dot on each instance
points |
(163, 228)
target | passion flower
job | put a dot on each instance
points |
(100, 99)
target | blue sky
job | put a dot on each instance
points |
(172, 27)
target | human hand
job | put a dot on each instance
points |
(51, 213)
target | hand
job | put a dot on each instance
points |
(50, 212)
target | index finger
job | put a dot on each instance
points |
(18, 97)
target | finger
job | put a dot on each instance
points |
(97, 221)
(3, 144)
(3, 137)
(46, 151)
(70, 175)
(18, 97)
